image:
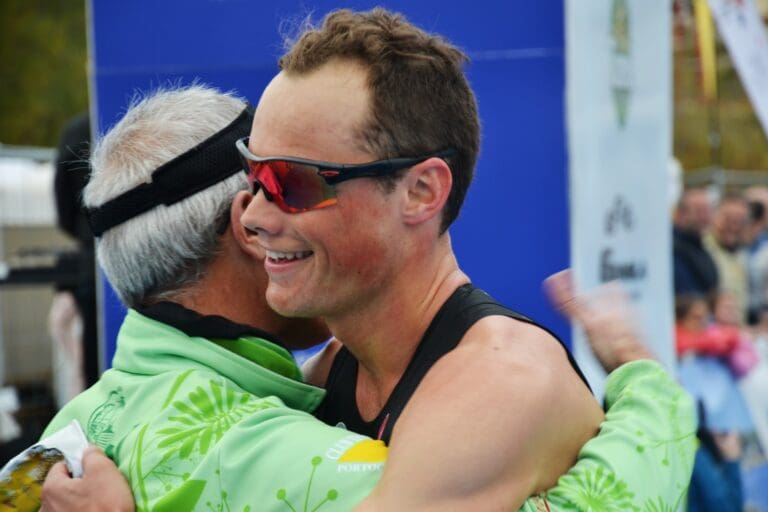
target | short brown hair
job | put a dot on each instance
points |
(421, 100)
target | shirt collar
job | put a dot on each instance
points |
(193, 323)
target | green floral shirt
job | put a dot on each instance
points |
(642, 458)
(197, 424)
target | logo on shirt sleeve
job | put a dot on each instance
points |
(355, 453)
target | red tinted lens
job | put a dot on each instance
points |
(303, 187)
(293, 186)
(262, 173)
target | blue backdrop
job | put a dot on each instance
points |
(513, 231)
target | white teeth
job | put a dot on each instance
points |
(287, 256)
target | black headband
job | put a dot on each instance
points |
(208, 163)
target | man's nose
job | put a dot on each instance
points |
(262, 216)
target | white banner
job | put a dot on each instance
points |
(744, 35)
(619, 116)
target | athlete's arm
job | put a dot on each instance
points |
(642, 457)
(494, 421)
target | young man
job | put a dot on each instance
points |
(205, 408)
(374, 119)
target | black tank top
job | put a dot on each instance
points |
(461, 311)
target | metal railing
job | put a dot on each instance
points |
(27, 152)
(725, 178)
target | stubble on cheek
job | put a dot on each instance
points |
(366, 254)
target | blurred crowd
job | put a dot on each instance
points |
(720, 266)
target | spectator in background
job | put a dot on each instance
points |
(725, 243)
(716, 484)
(759, 194)
(71, 174)
(695, 333)
(694, 269)
(717, 335)
(707, 346)
(744, 357)
(757, 242)
(753, 234)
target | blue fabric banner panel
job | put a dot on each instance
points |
(513, 231)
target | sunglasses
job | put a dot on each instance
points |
(298, 185)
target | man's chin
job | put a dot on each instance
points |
(283, 304)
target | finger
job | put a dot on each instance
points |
(57, 472)
(56, 482)
(559, 288)
(94, 458)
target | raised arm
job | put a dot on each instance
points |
(606, 315)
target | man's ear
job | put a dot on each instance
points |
(243, 236)
(428, 185)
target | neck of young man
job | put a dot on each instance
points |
(384, 334)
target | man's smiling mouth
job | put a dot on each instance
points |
(280, 257)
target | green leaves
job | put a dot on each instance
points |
(43, 80)
(205, 415)
(598, 490)
(183, 498)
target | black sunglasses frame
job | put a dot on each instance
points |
(334, 173)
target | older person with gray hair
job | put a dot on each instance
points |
(154, 132)
(204, 406)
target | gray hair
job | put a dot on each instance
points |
(160, 253)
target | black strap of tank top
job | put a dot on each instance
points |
(461, 311)
(340, 403)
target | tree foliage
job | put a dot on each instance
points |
(43, 72)
(43, 83)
